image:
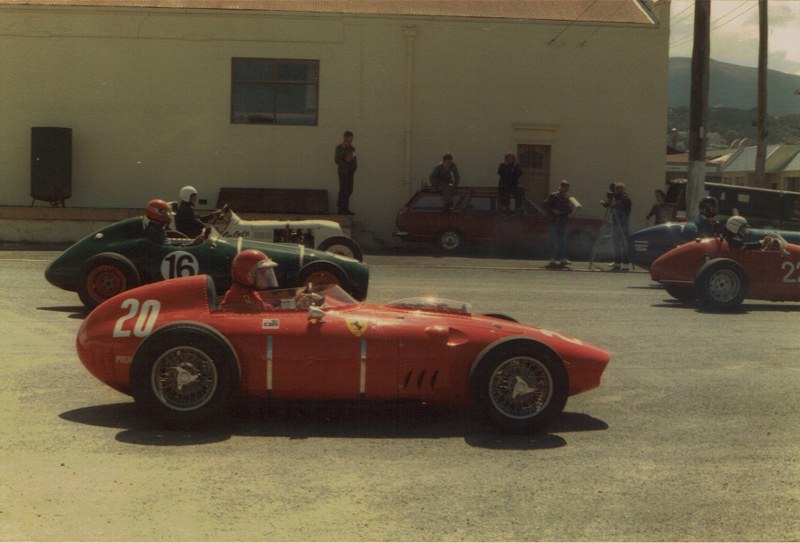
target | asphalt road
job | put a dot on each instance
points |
(693, 434)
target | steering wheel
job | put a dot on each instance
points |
(306, 299)
(222, 212)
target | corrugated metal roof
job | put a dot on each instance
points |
(603, 11)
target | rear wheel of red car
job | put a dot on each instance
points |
(721, 284)
(322, 273)
(342, 245)
(184, 375)
(449, 241)
(106, 275)
(520, 386)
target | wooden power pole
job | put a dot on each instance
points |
(695, 185)
(761, 150)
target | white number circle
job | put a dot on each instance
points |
(179, 264)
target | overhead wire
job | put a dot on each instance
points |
(690, 37)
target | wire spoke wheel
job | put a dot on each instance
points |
(184, 378)
(521, 387)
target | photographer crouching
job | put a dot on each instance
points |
(619, 205)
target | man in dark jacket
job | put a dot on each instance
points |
(558, 209)
(510, 172)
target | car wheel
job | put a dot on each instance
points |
(721, 284)
(184, 375)
(106, 275)
(579, 245)
(322, 273)
(342, 245)
(519, 386)
(450, 241)
(681, 293)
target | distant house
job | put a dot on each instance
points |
(257, 93)
(782, 167)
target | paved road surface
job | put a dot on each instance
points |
(692, 436)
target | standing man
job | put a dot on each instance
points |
(620, 206)
(445, 177)
(510, 172)
(346, 165)
(558, 209)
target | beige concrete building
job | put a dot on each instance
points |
(160, 94)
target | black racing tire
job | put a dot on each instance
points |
(184, 375)
(721, 284)
(580, 244)
(449, 241)
(519, 386)
(105, 275)
(342, 245)
(321, 272)
(685, 294)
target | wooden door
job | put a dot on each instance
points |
(535, 163)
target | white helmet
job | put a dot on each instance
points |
(736, 223)
(187, 192)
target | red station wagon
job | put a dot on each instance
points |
(476, 220)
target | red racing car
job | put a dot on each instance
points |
(721, 276)
(183, 359)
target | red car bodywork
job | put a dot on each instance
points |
(345, 351)
(769, 274)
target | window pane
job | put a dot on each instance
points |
(297, 71)
(268, 91)
(246, 69)
(252, 103)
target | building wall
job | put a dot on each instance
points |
(147, 95)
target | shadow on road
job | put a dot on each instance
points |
(76, 311)
(319, 420)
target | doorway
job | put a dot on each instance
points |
(535, 163)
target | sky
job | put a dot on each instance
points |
(734, 32)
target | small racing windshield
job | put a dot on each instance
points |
(429, 303)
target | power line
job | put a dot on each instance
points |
(572, 22)
(689, 37)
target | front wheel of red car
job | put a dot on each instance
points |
(520, 387)
(106, 275)
(721, 284)
(184, 375)
(449, 241)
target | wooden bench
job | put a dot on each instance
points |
(294, 201)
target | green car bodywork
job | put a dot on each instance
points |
(120, 257)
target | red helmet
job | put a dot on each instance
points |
(158, 210)
(254, 269)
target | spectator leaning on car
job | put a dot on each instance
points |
(661, 211)
(346, 165)
(558, 209)
(445, 177)
(188, 222)
(510, 172)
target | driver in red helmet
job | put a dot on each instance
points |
(159, 216)
(252, 271)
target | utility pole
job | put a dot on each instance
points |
(695, 186)
(761, 150)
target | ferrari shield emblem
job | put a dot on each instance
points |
(357, 326)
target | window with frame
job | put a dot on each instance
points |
(274, 91)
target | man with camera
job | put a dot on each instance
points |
(619, 205)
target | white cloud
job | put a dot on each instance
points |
(735, 29)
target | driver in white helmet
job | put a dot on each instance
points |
(187, 221)
(735, 229)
